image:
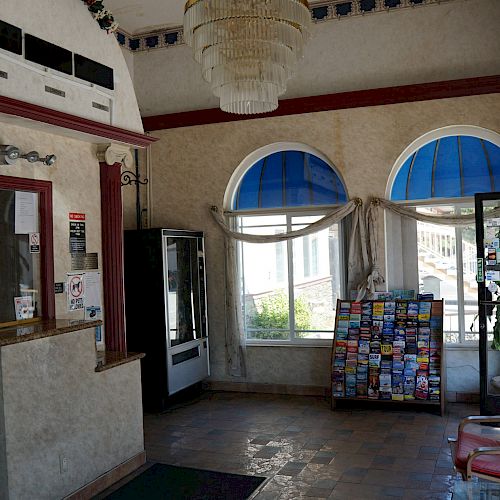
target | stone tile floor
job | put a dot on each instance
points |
(306, 449)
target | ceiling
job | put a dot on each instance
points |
(141, 16)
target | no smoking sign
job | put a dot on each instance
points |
(34, 242)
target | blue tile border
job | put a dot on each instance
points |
(320, 12)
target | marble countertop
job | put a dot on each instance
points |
(110, 359)
(42, 329)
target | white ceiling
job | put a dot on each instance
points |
(141, 16)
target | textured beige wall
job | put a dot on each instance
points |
(75, 188)
(56, 406)
(191, 168)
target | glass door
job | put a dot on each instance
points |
(183, 299)
(488, 279)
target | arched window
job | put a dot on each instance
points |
(289, 289)
(439, 174)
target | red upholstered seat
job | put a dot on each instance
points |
(483, 464)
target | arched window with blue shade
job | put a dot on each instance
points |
(449, 167)
(287, 179)
(289, 289)
(440, 178)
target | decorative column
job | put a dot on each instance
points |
(112, 244)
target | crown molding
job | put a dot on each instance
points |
(46, 119)
(332, 10)
(330, 102)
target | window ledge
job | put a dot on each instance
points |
(278, 343)
(473, 346)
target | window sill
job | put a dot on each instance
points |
(287, 343)
(472, 346)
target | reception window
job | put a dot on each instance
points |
(26, 258)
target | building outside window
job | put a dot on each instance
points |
(289, 289)
(441, 178)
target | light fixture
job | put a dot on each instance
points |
(10, 154)
(32, 156)
(248, 49)
(49, 160)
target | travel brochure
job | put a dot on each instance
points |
(388, 350)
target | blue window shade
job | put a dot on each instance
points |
(298, 181)
(476, 176)
(449, 167)
(271, 189)
(420, 175)
(289, 179)
(447, 178)
(493, 154)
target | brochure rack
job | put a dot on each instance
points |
(389, 352)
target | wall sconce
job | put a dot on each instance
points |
(10, 154)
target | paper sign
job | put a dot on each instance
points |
(24, 307)
(26, 213)
(76, 291)
(94, 313)
(92, 289)
(493, 275)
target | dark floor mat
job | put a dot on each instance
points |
(162, 481)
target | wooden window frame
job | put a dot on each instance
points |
(45, 209)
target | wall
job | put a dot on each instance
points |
(191, 168)
(68, 23)
(75, 188)
(56, 406)
(451, 40)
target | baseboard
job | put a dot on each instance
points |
(297, 390)
(462, 397)
(107, 479)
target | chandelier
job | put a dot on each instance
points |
(247, 49)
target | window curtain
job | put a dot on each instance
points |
(372, 223)
(358, 266)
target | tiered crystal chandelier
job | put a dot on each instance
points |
(247, 49)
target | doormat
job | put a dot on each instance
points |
(162, 481)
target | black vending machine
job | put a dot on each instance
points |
(166, 311)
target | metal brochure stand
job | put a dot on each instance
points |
(430, 371)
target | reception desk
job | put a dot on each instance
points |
(71, 420)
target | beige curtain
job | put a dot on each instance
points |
(358, 267)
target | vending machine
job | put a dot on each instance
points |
(166, 310)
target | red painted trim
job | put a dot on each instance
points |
(44, 190)
(112, 257)
(41, 114)
(330, 102)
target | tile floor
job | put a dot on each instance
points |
(308, 450)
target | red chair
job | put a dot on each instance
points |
(476, 454)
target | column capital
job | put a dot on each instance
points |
(116, 153)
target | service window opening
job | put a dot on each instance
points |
(20, 280)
